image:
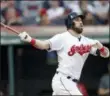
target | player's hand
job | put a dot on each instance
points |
(97, 45)
(25, 37)
(104, 51)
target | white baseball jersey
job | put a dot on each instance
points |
(71, 52)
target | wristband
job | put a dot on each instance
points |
(102, 49)
(33, 42)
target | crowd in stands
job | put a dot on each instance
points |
(53, 12)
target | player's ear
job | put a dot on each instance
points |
(73, 24)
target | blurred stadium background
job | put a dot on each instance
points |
(26, 71)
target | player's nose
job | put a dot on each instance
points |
(81, 24)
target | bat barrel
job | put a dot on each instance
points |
(9, 28)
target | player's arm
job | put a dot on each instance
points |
(102, 50)
(98, 49)
(43, 45)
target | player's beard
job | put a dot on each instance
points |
(76, 29)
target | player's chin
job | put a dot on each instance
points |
(80, 30)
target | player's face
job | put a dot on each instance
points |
(78, 25)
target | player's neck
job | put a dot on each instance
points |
(74, 33)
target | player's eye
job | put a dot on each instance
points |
(78, 19)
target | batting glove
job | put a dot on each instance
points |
(25, 37)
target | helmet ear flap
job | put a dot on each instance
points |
(68, 22)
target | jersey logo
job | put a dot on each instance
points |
(82, 49)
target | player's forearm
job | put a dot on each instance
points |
(104, 52)
(43, 45)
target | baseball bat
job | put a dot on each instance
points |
(9, 28)
(16, 32)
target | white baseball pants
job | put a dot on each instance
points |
(61, 85)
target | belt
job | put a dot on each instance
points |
(69, 77)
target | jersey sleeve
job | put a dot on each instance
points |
(55, 43)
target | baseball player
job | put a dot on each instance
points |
(72, 49)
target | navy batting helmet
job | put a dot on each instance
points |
(70, 18)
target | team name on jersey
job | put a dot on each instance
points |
(82, 49)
